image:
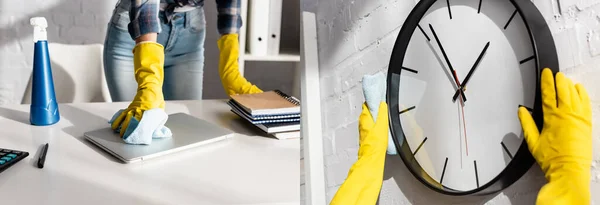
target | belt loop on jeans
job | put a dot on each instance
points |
(188, 19)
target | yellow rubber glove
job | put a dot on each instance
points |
(365, 177)
(233, 82)
(564, 147)
(148, 61)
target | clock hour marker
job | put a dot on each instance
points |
(410, 70)
(528, 108)
(479, 9)
(449, 11)
(510, 19)
(476, 176)
(420, 145)
(397, 71)
(527, 59)
(425, 34)
(506, 150)
(406, 110)
(444, 170)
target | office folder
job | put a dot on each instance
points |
(258, 27)
(274, 26)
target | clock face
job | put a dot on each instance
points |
(463, 141)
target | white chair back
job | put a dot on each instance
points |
(78, 74)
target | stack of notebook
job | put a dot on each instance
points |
(274, 112)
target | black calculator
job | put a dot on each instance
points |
(10, 157)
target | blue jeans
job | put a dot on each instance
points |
(183, 39)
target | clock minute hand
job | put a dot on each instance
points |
(452, 71)
(466, 80)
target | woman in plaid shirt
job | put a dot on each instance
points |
(154, 51)
(179, 26)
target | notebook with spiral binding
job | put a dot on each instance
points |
(267, 103)
(275, 128)
(237, 107)
(270, 121)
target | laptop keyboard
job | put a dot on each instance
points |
(10, 157)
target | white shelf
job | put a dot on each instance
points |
(283, 57)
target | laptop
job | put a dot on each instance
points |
(188, 132)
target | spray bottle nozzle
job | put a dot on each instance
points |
(39, 28)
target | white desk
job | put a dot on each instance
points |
(248, 168)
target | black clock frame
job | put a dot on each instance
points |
(545, 57)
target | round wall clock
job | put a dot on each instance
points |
(458, 72)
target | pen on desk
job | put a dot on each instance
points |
(42, 157)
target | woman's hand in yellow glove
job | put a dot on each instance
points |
(564, 147)
(148, 61)
(233, 82)
(365, 177)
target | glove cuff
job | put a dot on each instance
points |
(230, 39)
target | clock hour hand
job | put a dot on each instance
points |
(466, 80)
(452, 71)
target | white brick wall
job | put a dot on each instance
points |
(356, 38)
(66, 24)
(85, 22)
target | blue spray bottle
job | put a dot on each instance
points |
(44, 108)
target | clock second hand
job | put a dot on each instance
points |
(462, 109)
(462, 87)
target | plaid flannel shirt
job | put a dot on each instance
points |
(144, 15)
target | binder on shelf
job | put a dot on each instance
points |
(275, 13)
(258, 27)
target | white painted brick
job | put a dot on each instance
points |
(63, 19)
(330, 86)
(102, 19)
(340, 171)
(82, 34)
(565, 48)
(332, 159)
(13, 8)
(381, 22)
(331, 193)
(356, 99)
(8, 61)
(97, 6)
(362, 9)
(593, 41)
(336, 111)
(347, 136)
(327, 146)
(352, 153)
(7, 21)
(72, 7)
(336, 32)
(330, 175)
(369, 61)
(10, 47)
